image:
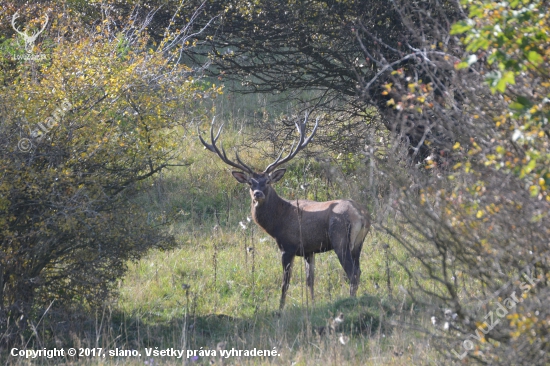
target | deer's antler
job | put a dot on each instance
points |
(15, 16)
(222, 155)
(293, 151)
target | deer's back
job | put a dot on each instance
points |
(317, 222)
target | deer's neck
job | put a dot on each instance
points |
(269, 214)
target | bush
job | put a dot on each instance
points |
(102, 110)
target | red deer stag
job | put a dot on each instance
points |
(302, 227)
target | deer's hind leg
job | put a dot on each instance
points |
(348, 254)
(350, 263)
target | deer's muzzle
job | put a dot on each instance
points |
(258, 196)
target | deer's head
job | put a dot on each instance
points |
(259, 183)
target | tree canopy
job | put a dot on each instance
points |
(345, 50)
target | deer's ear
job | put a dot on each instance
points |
(240, 177)
(277, 175)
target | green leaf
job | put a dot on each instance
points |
(479, 43)
(507, 78)
(521, 103)
(516, 106)
(534, 58)
(525, 101)
(461, 27)
(530, 166)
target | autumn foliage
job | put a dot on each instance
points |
(100, 111)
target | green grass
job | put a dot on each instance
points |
(234, 298)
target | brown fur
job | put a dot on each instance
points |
(303, 228)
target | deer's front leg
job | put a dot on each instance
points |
(310, 269)
(287, 260)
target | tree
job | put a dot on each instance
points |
(82, 128)
(483, 213)
(344, 50)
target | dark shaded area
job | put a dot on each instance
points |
(364, 316)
